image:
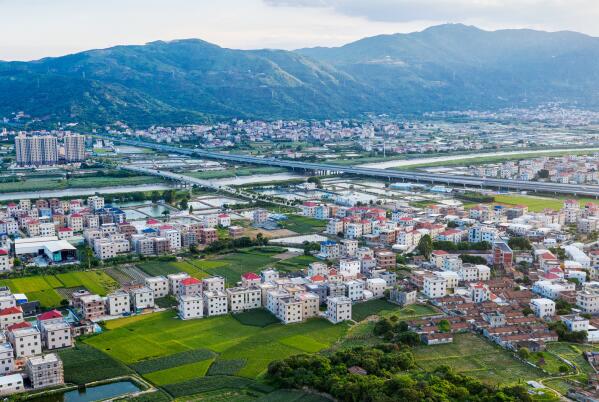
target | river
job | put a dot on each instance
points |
(434, 159)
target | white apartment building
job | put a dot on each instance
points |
(354, 289)
(25, 341)
(290, 310)
(377, 286)
(45, 371)
(190, 307)
(271, 275)
(244, 298)
(5, 261)
(11, 384)
(142, 298)
(543, 307)
(310, 303)
(7, 358)
(74, 148)
(174, 238)
(452, 278)
(56, 334)
(47, 229)
(118, 303)
(215, 303)
(349, 267)
(552, 289)
(339, 309)
(174, 282)
(588, 301)
(159, 285)
(434, 287)
(214, 284)
(10, 315)
(95, 203)
(349, 247)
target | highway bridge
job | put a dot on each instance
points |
(419, 177)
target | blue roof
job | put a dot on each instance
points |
(149, 230)
(328, 243)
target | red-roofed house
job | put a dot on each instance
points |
(250, 279)
(10, 316)
(18, 325)
(317, 278)
(50, 316)
(5, 261)
(452, 235)
(65, 233)
(224, 220)
(190, 287)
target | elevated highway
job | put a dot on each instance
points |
(328, 168)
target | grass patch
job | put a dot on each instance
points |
(258, 317)
(84, 364)
(180, 373)
(158, 268)
(95, 281)
(382, 307)
(236, 264)
(167, 362)
(303, 224)
(226, 367)
(473, 356)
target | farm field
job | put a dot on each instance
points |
(221, 174)
(573, 353)
(39, 184)
(303, 224)
(230, 266)
(382, 307)
(473, 356)
(79, 359)
(46, 288)
(537, 204)
(135, 339)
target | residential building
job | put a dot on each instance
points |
(215, 303)
(45, 371)
(118, 303)
(434, 286)
(190, 306)
(141, 298)
(339, 309)
(25, 340)
(543, 307)
(244, 298)
(11, 384)
(159, 285)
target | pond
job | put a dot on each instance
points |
(155, 211)
(91, 394)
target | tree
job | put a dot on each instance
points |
(524, 353)
(564, 369)
(444, 326)
(155, 196)
(527, 311)
(425, 246)
(166, 213)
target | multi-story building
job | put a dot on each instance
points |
(36, 150)
(45, 371)
(385, 259)
(190, 306)
(338, 309)
(118, 303)
(434, 286)
(354, 289)
(159, 285)
(95, 203)
(141, 298)
(214, 284)
(74, 148)
(10, 316)
(174, 281)
(90, 306)
(588, 301)
(7, 358)
(244, 298)
(215, 303)
(56, 334)
(25, 340)
(543, 307)
(11, 384)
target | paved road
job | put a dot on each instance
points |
(327, 168)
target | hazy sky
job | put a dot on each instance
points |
(31, 29)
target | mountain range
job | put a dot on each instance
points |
(446, 67)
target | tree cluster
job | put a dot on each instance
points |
(385, 380)
(464, 245)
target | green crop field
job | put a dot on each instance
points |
(221, 174)
(473, 356)
(84, 364)
(180, 373)
(131, 340)
(537, 204)
(573, 353)
(303, 224)
(295, 263)
(43, 287)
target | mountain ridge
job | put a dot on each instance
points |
(445, 67)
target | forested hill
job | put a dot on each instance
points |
(447, 67)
